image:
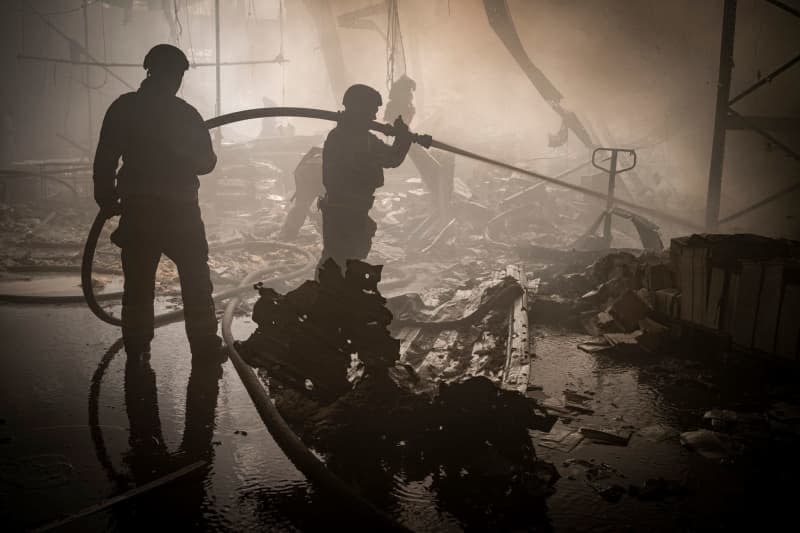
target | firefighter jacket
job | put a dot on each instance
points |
(353, 160)
(163, 144)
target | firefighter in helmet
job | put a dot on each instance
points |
(164, 145)
(353, 160)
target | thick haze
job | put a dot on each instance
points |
(639, 73)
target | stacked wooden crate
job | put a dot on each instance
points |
(746, 286)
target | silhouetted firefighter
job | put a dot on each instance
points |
(307, 188)
(436, 172)
(353, 160)
(164, 145)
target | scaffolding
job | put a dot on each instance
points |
(91, 61)
(726, 118)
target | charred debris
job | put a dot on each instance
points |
(446, 347)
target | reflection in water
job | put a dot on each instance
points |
(468, 455)
(179, 503)
(100, 449)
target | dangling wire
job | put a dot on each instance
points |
(178, 23)
(280, 54)
(189, 31)
(395, 53)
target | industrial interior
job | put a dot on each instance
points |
(382, 265)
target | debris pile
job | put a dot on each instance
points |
(612, 299)
(337, 377)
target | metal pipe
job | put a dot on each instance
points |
(86, 73)
(139, 65)
(721, 115)
(612, 178)
(218, 108)
(386, 129)
(657, 213)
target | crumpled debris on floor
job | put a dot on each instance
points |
(339, 378)
(460, 332)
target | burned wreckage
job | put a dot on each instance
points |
(437, 336)
(336, 375)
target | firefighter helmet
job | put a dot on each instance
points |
(360, 95)
(165, 58)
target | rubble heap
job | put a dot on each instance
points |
(334, 374)
(322, 335)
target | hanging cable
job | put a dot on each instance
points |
(179, 33)
(395, 52)
(189, 32)
(280, 54)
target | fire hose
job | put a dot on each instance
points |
(288, 441)
(428, 142)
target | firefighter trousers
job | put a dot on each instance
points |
(147, 230)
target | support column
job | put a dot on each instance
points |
(218, 106)
(721, 116)
(325, 23)
(89, 130)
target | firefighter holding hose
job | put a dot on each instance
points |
(353, 160)
(164, 145)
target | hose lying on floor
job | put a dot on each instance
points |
(288, 441)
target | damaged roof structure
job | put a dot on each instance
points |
(580, 309)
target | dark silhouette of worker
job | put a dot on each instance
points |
(149, 458)
(307, 188)
(353, 160)
(164, 145)
(401, 100)
(436, 173)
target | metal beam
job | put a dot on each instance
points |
(330, 45)
(501, 21)
(721, 115)
(218, 106)
(766, 79)
(785, 7)
(791, 153)
(75, 43)
(278, 59)
(87, 72)
(760, 203)
(743, 122)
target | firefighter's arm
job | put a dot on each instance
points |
(106, 158)
(206, 159)
(195, 145)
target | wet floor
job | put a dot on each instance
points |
(78, 428)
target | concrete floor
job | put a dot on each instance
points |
(55, 364)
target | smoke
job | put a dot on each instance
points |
(639, 74)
